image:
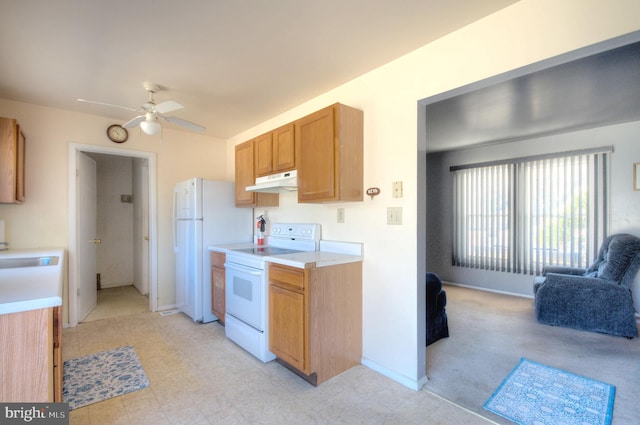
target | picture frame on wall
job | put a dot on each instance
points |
(636, 176)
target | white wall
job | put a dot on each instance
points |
(393, 314)
(624, 207)
(525, 33)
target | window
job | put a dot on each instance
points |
(522, 214)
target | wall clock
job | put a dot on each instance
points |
(117, 133)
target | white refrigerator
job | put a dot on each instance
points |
(204, 214)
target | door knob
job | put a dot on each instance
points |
(96, 241)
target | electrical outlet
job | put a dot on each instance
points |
(394, 215)
(396, 189)
(340, 215)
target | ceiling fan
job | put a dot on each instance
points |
(152, 113)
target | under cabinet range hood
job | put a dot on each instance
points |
(276, 183)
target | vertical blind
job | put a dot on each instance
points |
(522, 214)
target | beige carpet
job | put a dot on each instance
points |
(489, 333)
(118, 301)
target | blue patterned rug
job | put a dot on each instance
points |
(97, 377)
(535, 394)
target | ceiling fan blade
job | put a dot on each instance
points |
(128, 108)
(132, 123)
(184, 123)
(168, 106)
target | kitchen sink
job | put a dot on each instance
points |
(12, 263)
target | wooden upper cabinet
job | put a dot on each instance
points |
(263, 151)
(12, 162)
(245, 176)
(329, 155)
(275, 151)
(284, 152)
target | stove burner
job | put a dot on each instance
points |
(267, 250)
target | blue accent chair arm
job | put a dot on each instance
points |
(574, 271)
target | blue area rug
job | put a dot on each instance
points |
(535, 394)
(97, 377)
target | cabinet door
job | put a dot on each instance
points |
(218, 306)
(20, 164)
(287, 335)
(27, 365)
(244, 174)
(316, 151)
(58, 363)
(284, 153)
(263, 151)
(11, 162)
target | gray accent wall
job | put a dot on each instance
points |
(624, 208)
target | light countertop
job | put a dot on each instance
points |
(34, 287)
(331, 253)
(231, 247)
(308, 259)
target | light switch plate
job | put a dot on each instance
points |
(396, 189)
(394, 215)
(340, 217)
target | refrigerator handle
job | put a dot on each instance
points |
(174, 221)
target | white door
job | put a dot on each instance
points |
(141, 225)
(87, 235)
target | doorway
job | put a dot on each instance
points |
(120, 218)
(431, 240)
(122, 235)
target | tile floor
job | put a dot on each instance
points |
(118, 301)
(198, 376)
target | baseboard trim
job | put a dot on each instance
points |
(495, 291)
(401, 379)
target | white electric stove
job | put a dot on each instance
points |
(247, 306)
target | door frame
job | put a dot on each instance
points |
(75, 149)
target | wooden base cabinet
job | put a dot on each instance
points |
(289, 316)
(218, 276)
(31, 357)
(315, 318)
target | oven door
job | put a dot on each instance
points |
(245, 288)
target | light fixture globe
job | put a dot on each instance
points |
(150, 126)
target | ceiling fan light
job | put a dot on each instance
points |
(150, 127)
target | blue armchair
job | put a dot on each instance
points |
(437, 325)
(597, 299)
